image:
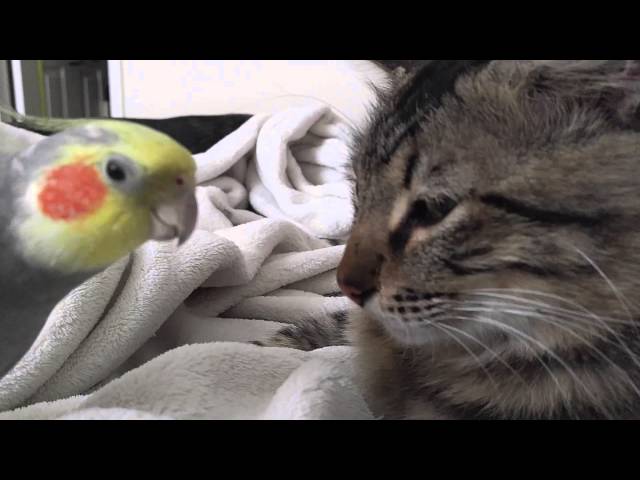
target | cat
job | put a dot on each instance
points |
(495, 252)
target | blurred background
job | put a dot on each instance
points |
(56, 88)
(166, 88)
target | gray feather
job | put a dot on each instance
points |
(27, 293)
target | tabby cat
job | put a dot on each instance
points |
(495, 253)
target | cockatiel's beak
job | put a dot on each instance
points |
(175, 218)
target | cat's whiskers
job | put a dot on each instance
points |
(524, 339)
(451, 305)
(587, 312)
(545, 349)
(570, 313)
(496, 355)
(550, 320)
(505, 307)
(616, 291)
(470, 352)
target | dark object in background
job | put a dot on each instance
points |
(197, 133)
(408, 65)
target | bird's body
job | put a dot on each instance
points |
(74, 203)
(27, 293)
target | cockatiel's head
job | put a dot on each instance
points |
(89, 195)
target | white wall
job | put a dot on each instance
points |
(163, 88)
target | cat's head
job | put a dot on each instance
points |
(500, 199)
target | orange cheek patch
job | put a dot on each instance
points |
(71, 191)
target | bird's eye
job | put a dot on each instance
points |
(116, 171)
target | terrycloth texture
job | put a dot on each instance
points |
(222, 381)
(240, 277)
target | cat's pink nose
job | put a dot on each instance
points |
(354, 293)
(358, 269)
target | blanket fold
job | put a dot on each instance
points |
(159, 334)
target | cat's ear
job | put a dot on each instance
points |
(632, 68)
(400, 68)
(625, 101)
(612, 86)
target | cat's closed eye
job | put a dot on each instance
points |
(422, 213)
(426, 214)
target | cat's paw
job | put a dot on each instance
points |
(311, 334)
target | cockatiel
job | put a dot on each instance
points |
(74, 203)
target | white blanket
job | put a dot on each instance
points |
(157, 335)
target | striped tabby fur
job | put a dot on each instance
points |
(497, 243)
